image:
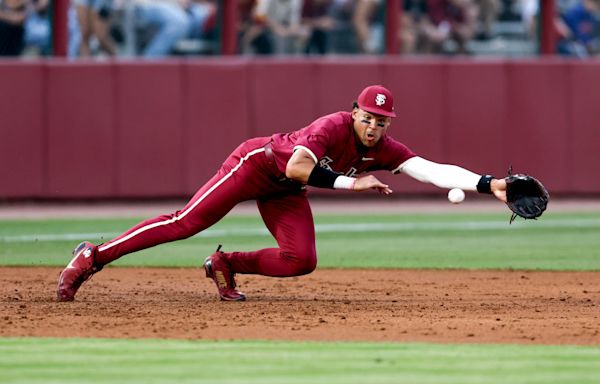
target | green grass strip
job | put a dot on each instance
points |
(471, 241)
(35, 360)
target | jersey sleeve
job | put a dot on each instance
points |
(316, 138)
(395, 154)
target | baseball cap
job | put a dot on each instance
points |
(378, 100)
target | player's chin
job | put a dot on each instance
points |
(370, 142)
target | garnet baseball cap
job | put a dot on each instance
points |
(378, 100)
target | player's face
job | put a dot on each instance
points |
(369, 127)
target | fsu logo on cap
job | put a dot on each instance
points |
(380, 99)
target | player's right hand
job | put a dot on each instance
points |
(370, 182)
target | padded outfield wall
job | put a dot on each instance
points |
(160, 129)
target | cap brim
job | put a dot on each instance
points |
(377, 111)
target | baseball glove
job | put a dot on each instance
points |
(525, 196)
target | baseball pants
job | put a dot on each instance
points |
(247, 174)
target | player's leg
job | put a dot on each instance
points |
(83, 18)
(100, 25)
(208, 206)
(203, 210)
(289, 219)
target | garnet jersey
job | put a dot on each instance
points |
(332, 143)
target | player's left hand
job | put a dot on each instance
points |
(371, 182)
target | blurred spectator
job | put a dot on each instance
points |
(202, 15)
(489, 10)
(530, 14)
(510, 10)
(529, 11)
(246, 21)
(163, 23)
(318, 23)
(342, 38)
(275, 28)
(369, 25)
(94, 19)
(452, 21)
(12, 29)
(74, 32)
(413, 26)
(578, 29)
(201, 37)
(37, 28)
(159, 28)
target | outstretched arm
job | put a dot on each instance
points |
(302, 167)
(452, 176)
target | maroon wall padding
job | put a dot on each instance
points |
(584, 109)
(149, 106)
(216, 117)
(162, 128)
(81, 131)
(338, 82)
(282, 97)
(537, 127)
(475, 116)
(418, 89)
(23, 138)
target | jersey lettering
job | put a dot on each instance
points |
(351, 172)
(325, 161)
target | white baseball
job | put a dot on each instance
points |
(456, 195)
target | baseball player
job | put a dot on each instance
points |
(332, 152)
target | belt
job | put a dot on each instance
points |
(270, 157)
(269, 153)
(280, 177)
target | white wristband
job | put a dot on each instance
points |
(344, 182)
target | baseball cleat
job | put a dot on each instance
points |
(80, 269)
(217, 269)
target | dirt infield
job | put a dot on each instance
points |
(368, 305)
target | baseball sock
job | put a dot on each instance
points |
(270, 262)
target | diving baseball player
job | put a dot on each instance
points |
(334, 151)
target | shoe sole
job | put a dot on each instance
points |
(243, 298)
(208, 267)
(65, 299)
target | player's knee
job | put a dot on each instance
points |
(302, 262)
(308, 265)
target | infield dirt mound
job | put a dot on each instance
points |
(369, 305)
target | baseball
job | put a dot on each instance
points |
(456, 195)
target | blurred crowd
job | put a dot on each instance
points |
(160, 28)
